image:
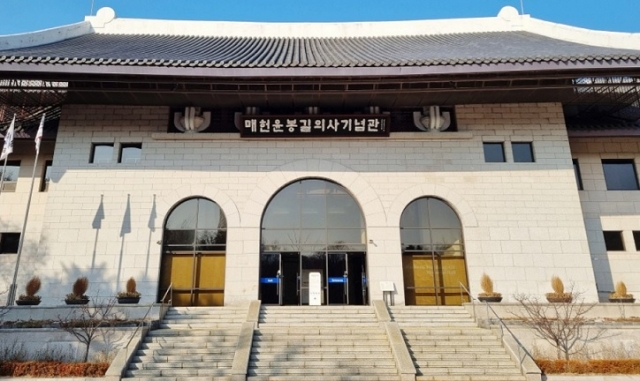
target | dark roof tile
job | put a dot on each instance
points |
(425, 50)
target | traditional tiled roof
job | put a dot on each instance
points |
(271, 52)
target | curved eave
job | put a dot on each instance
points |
(28, 69)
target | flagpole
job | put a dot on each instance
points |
(12, 290)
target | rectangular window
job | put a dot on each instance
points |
(620, 174)
(636, 239)
(9, 243)
(493, 152)
(46, 176)
(101, 153)
(522, 152)
(613, 240)
(10, 175)
(130, 153)
(576, 172)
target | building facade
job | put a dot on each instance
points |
(309, 165)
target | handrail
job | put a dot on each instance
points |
(170, 288)
(144, 318)
(503, 325)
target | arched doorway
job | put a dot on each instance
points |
(193, 253)
(313, 246)
(433, 254)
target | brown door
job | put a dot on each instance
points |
(434, 280)
(197, 278)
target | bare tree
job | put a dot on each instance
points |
(86, 323)
(564, 325)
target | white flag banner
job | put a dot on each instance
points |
(39, 134)
(8, 140)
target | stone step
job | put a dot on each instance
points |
(354, 370)
(213, 350)
(309, 356)
(199, 325)
(463, 363)
(370, 377)
(188, 345)
(428, 356)
(227, 357)
(164, 332)
(311, 349)
(327, 363)
(179, 338)
(179, 365)
(321, 342)
(469, 371)
(180, 373)
(290, 337)
(471, 377)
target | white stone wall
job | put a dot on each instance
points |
(609, 210)
(522, 221)
(13, 209)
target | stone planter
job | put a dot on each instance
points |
(621, 300)
(27, 302)
(72, 302)
(128, 300)
(490, 299)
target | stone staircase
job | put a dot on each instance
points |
(446, 344)
(320, 343)
(323, 343)
(191, 343)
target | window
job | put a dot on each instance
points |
(613, 240)
(522, 152)
(576, 172)
(9, 243)
(101, 153)
(620, 174)
(46, 176)
(10, 175)
(636, 239)
(493, 152)
(130, 153)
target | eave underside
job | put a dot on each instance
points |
(586, 91)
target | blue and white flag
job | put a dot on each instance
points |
(8, 140)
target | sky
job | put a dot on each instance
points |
(20, 16)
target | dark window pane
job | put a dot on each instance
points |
(313, 211)
(493, 152)
(10, 175)
(576, 172)
(620, 174)
(130, 153)
(179, 237)
(46, 177)
(613, 241)
(210, 216)
(416, 214)
(101, 153)
(335, 236)
(522, 152)
(183, 216)
(9, 243)
(441, 215)
(636, 239)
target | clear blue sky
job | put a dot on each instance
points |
(18, 16)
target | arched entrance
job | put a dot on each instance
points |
(433, 255)
(313, 247)
(193, 253)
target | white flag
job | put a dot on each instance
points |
(8, 140)
(39, 134)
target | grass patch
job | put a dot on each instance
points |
(627, 366)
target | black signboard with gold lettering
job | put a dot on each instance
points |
(300, 126)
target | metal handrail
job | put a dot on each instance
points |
(144, 318)
(170, 289)
(503, 325)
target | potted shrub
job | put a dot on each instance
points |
(620, 294)
(558, 295)
(131, 295)
(77, 295)
(29, 298)
(487, 294)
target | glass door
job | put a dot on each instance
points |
(337, 278)
(270, 274)
(312, 262)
